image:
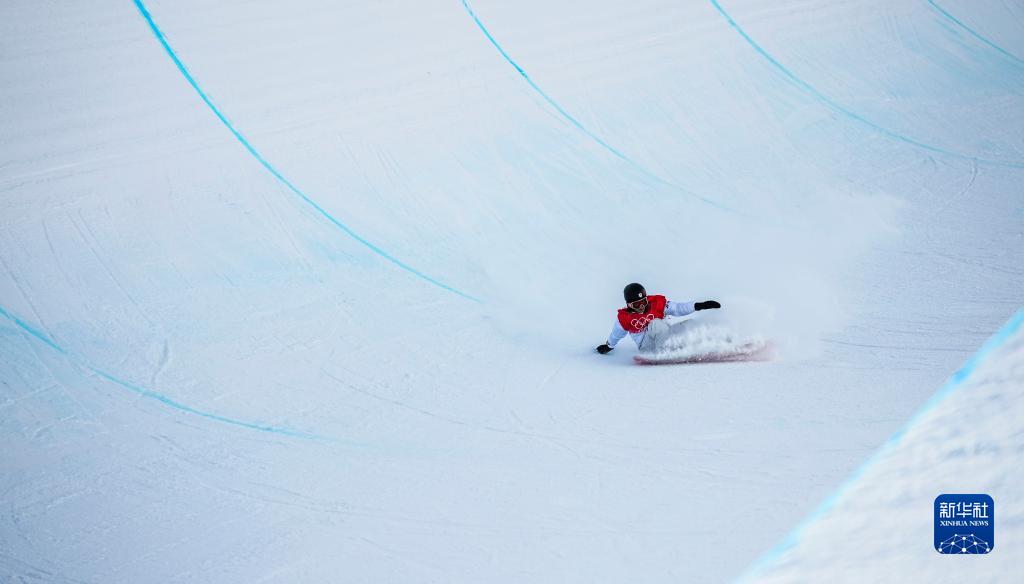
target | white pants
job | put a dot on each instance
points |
(658, 332)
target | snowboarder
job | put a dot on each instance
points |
(643, 318)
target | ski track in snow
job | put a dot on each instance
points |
(273, 170)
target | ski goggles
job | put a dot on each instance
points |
(637, 305)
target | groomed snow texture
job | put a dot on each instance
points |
(308, 291)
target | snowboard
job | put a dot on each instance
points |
(754, 351)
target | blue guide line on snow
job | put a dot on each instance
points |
(272, 170)
(164, 399)
(579, 125)
(845, 111)
(973, 32)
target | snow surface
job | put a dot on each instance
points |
(318, 301)
(967, 439)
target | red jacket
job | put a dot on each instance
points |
(635, 322)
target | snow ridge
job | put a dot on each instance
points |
(955, 383)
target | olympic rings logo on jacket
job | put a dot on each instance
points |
(641, 323)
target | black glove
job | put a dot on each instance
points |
(706, 305)
(604, 349)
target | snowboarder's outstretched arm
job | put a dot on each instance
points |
(679, 308)
(613, 339)
(684, 308)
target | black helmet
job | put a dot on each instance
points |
(634, 292)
